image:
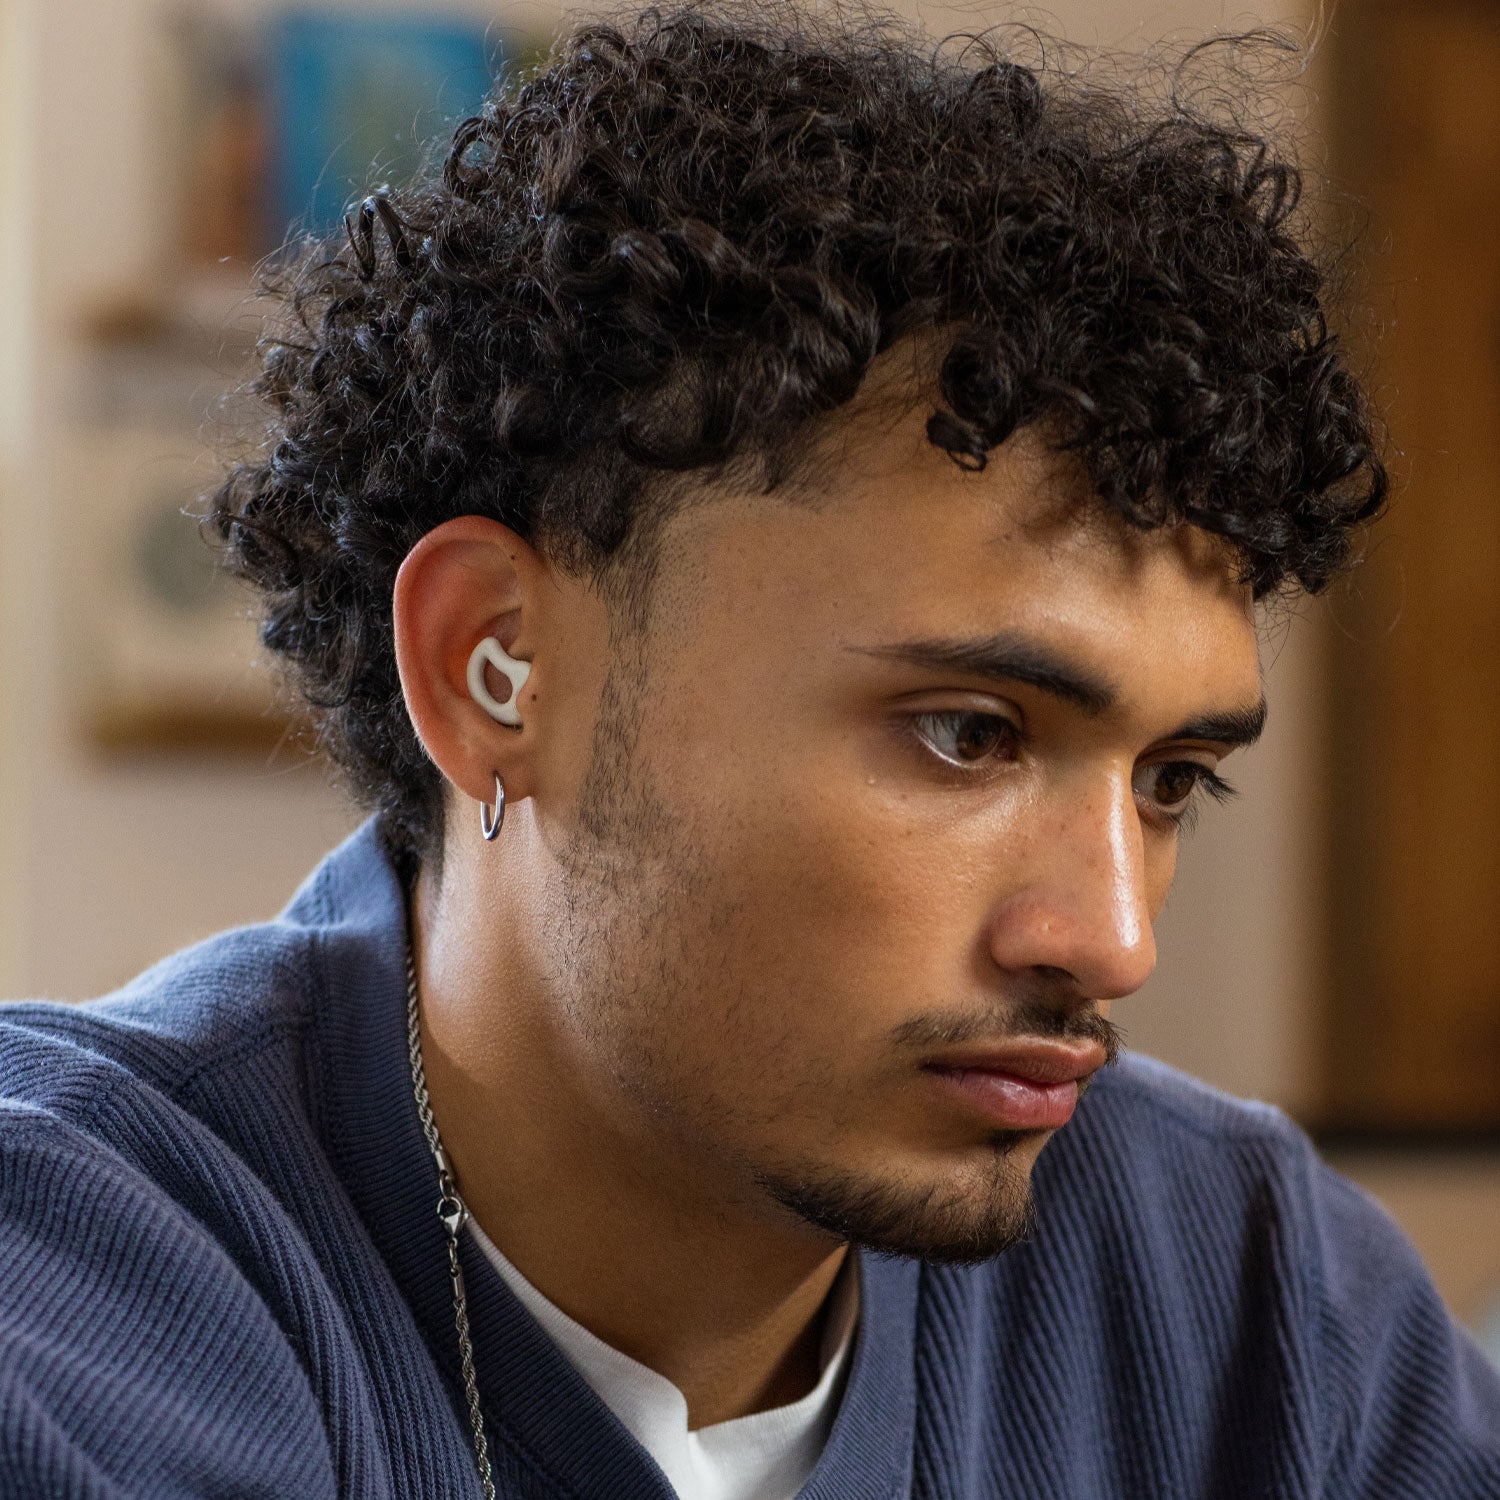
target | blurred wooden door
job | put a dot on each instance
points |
(1413, 1034)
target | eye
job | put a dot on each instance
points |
(964, 737)
(1170, 788)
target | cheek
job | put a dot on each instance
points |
(852, 917)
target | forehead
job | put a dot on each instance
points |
(889, 537)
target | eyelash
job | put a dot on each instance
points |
(1209, 783)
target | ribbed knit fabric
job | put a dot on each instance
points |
(221, 1275)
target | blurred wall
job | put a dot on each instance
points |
(15, 353)
(106, 864)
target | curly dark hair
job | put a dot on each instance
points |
(685, 239)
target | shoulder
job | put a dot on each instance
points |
(208, 1007)
(1180, 1106)
(196, 1010)
(1194, 1246)
(1160, 1143)
(136, 1357)
(135, 1352)
(153, 1334)
(1195, 1146)
(1216, 1184)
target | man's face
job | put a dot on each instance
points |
(885, 787)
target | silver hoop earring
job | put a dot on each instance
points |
(489, 823)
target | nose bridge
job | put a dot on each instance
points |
(1106, 910)
(1086, 908)
(1130, 917)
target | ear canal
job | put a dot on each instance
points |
(490, 650)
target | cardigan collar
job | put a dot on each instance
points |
(535, 1402)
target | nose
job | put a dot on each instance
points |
(1081, 902)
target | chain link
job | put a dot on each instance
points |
(454, 1215)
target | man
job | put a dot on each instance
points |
(773, 535)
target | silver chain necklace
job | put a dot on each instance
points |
(453, 1213)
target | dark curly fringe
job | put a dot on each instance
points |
(692, 231)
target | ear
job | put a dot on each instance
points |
(465, 580)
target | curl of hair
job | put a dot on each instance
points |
(687, 236)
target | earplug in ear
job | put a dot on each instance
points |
(490, 650)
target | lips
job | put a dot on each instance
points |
(1036, 1062)
(1029, 1086)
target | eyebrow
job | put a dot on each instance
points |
(1008, 657)
(1234, 726)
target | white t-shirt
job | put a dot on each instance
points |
(765, 1456)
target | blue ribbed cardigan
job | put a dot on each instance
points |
(221, 1274)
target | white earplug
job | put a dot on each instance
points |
(490, 650)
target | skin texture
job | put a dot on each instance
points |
(674, 1020)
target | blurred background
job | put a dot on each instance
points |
(1333, 943)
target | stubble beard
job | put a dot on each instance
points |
(934, 1222)
(635, 879)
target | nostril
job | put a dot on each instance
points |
(1055, 973)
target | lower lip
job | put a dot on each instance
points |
(1016, 1103)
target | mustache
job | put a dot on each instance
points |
(1060, 1021)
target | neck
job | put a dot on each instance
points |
(718, 1294)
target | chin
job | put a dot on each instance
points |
(962, 1217)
